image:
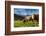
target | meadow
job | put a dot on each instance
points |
(19, 23)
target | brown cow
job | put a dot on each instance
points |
(35, 19)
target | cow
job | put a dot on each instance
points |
(27, 18)
(34, 18)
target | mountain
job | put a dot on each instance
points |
(17, 17)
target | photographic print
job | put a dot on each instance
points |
(24, 17)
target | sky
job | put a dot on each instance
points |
(24, 11)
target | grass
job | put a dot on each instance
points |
(19, 23)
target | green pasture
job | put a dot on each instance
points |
(19, 23)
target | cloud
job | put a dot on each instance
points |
(22, 11)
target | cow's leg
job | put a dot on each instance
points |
(24, 21)
(32, 20)
(35, 21)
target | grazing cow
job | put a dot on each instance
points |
(27, 18)
(34, 18)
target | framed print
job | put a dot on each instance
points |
(24, 17)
